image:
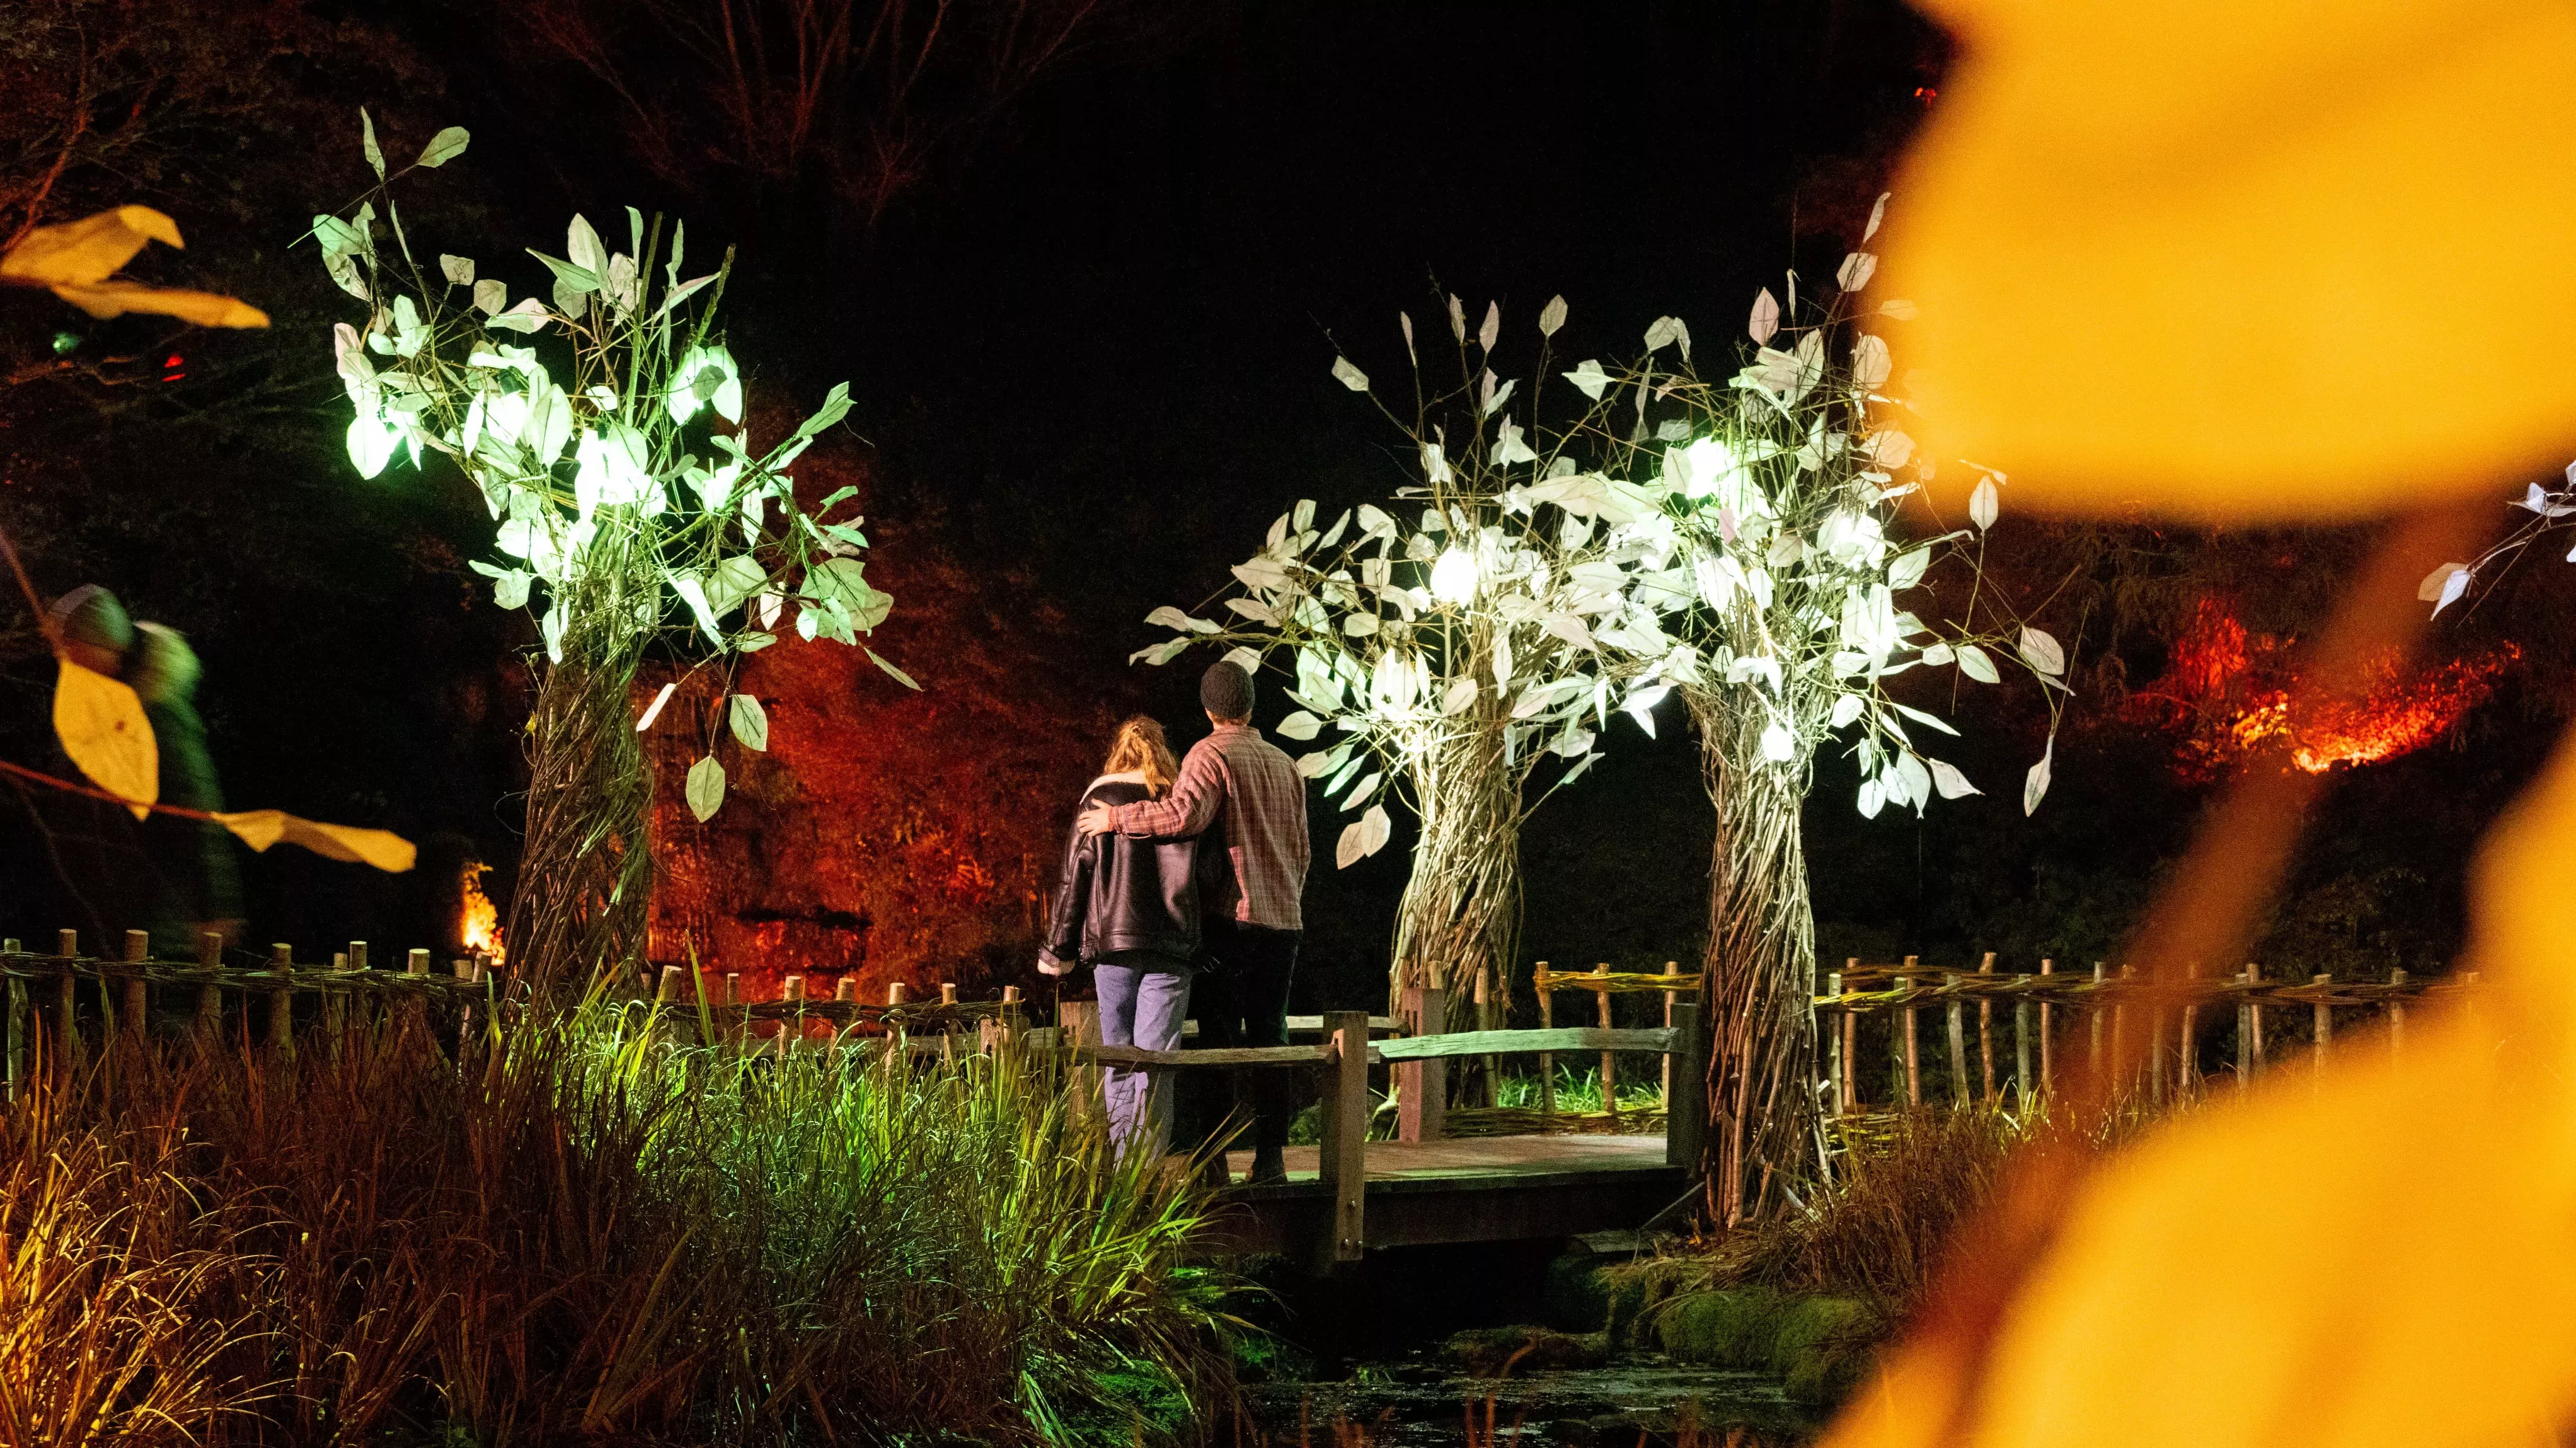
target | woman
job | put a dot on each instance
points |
(1129, 909)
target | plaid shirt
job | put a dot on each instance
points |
(1237, 775)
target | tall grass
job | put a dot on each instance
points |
(585, 1231)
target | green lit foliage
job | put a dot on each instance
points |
(604, 424)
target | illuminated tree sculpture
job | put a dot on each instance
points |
(1449, 657)
(1783, 487)
(632, 507)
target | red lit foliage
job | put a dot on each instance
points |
(886, 834)
(2231, 694)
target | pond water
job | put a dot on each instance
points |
(1424, 1399)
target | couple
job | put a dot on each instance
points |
(1186, 870)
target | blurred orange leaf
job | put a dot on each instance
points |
(262, 828)
(102, 727)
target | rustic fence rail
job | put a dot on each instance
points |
(2113, 1010)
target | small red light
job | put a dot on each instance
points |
(1924, 93)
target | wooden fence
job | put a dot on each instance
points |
(2053, 1010)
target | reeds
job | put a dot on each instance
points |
(584, 1230)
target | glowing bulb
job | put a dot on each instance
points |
(1453, 578)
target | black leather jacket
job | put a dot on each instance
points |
(1130, 901)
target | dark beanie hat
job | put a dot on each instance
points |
(90, 614)
(1225, 690)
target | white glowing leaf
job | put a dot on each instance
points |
(2040, 651)
(1551, 316)
(1492, 330)
(1983, 504)
(2037, 784)
(1664, 331)
(459, 270)
(1349, 376)
(1846, 709)
(1974, 663)
(2444, 585)
(1300, 725)
(444, 147)
(1873, 798)
(1172, 618)
(489, 295)
(1907, 570)
(1588, 378)
(1459, 696)
(529, 315)
(653, 710)
(1245, 659)
(1949, 781)
(749, 721)
(1375, 828)
(705, 790)
(1766, 317)
(1352, 847)
(1856, 271)
(1778, 744)
(1870, 363)
(1877, 214)
(1457, 319)
(1901, 309)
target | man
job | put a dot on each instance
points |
(1254, 923)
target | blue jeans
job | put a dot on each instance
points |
(1145, 1008)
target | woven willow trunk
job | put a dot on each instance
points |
(1462, 906)
(585, 873)
(1759, 976)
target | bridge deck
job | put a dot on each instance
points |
(1478, 1189)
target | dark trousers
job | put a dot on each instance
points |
(1241, 999)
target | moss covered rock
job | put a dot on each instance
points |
(1821, 1346)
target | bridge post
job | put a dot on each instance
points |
(1686, 1110)
(1345, 1137)
(1422, 1087)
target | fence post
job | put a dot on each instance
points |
(138, 950)
(1956, 1016)
(2396, 1011)
(1010, 1019)
(1851, 1038)
(1344, 1166)
(281, 1002)
(2187, 1049)
(1080, 1022)
(415, 1003)
(666, 999)
(2324, 1019)
(210, 996)
(1833, 1056)
(67, 1041)
(1913, 1067)
(2047, 1036)
(1686, 1117)
(2021, 1051)
(1671, 967)
(17, 1027)
(2095, 1056)
(1609, 1059)
(1986, 1028)
(737, 1022)
(1490, 1093)
(1422, 1087)
(791, 1031)
(1546, 1059)
(2249, 1043)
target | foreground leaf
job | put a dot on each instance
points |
(102, 727)
(705, 790)
(261, 828)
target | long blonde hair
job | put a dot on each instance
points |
(1139, 747)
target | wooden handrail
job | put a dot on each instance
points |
(1495, 1043)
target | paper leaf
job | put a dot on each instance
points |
(706, 788)
(1492, 330)
(1877, 214)
(1352, 847)
(367, 143)
(1974, 663)
(898, 675)
(444, 147)
(1300, 725)
(1459, 696)
(102, 727)
(261, 828)
(1588, 378)
(2039, 650)
(1349, 376)
(1949, 781)
(1982, 504)
(204, 309)
(1375, 828)
(2037, 784)
(1856, 271)
(77, 253)
(749, 721)
(653, 710)
(1551, 317)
